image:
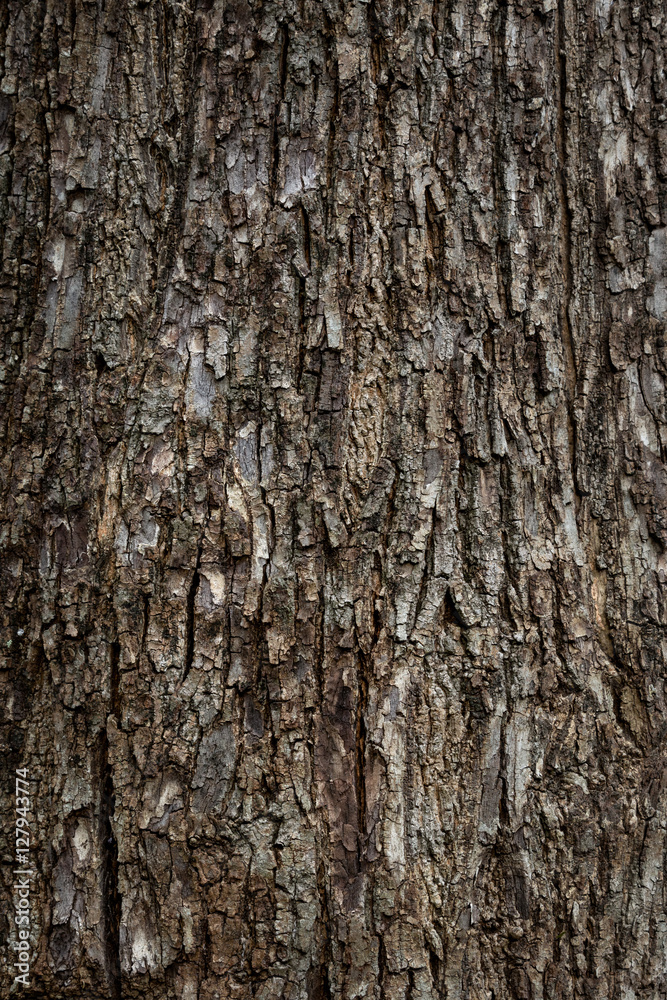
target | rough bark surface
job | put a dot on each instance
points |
(334, 496)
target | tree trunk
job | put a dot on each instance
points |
(334, 514)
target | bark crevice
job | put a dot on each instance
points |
(275, 132)
(565, 212)
(111, 899)
(190, 614)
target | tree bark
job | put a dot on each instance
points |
(334, 497)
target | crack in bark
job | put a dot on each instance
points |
(499, 82)
(190, 614)
(322, 990)
(427, 571)
(565, 241)
(301, 293)
(111, 900)
(275, 137)
(360, 754)
(146, 620)
(332, 65)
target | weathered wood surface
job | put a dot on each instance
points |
(334, 499)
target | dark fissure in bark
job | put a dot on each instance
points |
(146, 620)
(500, 90)
(319, 986)
(275, 136)
(360, 755)
(190, 616)
(569, 358)
(115, 679)
(111, 900)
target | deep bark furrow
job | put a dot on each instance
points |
(569, 357)
(111, 901)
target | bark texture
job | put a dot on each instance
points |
(334, 496)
